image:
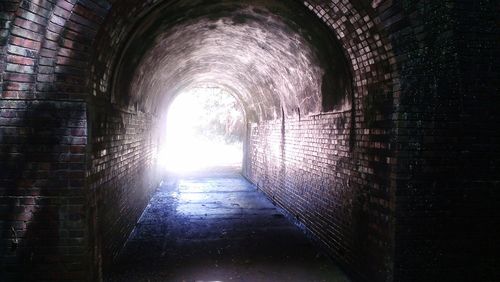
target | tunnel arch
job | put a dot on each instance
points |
(321, 80)
(368, 50)
(371, 69)
(77, 166)
(102, 30)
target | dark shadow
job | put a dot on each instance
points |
(34, 181)
(218, 227)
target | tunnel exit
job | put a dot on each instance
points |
(366, 122)
(204, 130)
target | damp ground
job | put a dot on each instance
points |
(217, 226)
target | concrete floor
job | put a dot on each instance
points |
(218, 227)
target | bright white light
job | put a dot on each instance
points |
(190, 143)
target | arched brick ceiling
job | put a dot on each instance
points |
(70, 51)
(272, 55)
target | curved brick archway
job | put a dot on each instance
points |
(365, 180)
(263, 164)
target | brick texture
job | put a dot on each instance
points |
(308, 167)
(120, 178)
(447, 150)
(401, 187)
(44, 134)
(42, 190)
(334, 172)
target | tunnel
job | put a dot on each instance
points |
(370, 127)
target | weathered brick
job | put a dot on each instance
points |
(19, 77)
(419, 148)
(16, 50)
(23, 42)
(20, 68)
(26, 34)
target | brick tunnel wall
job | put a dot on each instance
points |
(42, 186)
(333, 171)
(433, 176)
(447, 226)
(308, 167)
(122, 170)
(421, 148)
(43, 144)
(121, 177)
(76, 171)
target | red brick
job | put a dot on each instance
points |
(20, 60)
(23, 42)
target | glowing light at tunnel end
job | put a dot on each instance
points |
(189, 144)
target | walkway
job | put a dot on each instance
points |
(218, 228)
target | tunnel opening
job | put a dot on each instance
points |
(204, 130)
(282, 64)
(351, 107)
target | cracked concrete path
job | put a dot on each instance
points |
(218, 228)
